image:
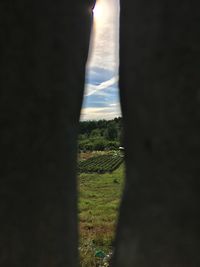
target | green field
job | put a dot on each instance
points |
(101, 163)
(99, 198)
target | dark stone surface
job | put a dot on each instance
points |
(160, 93)
(44, 46)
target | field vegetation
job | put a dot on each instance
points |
(100, 135)
(99, 199)
(100, 172)
(101, 163)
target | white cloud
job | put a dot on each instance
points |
(106, 113)
(105, 37)
(114, 104)
(104, 55)
(92, 89)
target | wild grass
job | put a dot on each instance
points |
(99, 200)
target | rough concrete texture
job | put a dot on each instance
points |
(160, 93)
(44, 46)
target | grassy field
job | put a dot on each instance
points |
(99, 198)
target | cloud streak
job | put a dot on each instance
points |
(101, 89)
(92, 89)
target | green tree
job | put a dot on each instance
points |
(111, 133)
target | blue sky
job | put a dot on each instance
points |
(101, 100)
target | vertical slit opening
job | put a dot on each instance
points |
(100, 159)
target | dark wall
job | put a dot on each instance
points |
(44, 46)
(160, 94)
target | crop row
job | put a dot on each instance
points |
(101, 164)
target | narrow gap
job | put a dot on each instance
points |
(100, 165)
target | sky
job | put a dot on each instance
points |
(101, 100)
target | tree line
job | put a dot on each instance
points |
(100, 135)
